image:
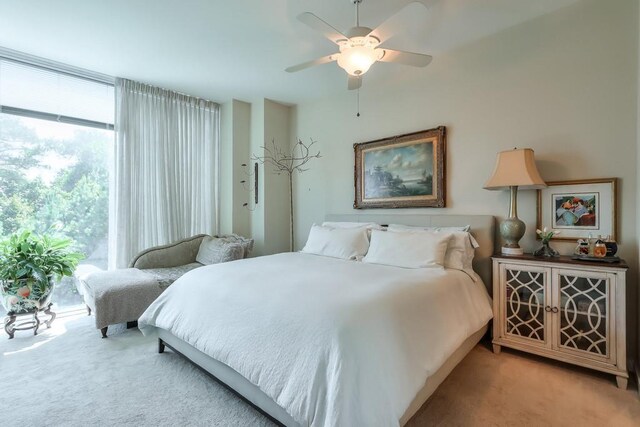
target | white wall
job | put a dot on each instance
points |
(235, 124)
(241, 139)
(270, 122)
(277, 125)
(565, 84)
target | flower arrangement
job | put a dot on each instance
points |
(546, 235)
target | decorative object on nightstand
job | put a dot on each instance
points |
(572, 311)
(514, 169)
(582, 249)
(612, 246)
(600, 249)
(545, 250)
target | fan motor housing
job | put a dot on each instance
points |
(358, 31)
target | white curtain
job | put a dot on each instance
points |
(165, 181)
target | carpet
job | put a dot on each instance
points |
(69, 376)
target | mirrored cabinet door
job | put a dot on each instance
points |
(525, 298)
(584, 304)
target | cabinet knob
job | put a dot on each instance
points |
(547, 309)
(555, 309)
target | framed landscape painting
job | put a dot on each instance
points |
(578, 209)
(405, 171)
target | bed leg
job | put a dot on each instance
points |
(88, 311)
(496, 349)
(104, 331)
(160, 346)
(132, 324)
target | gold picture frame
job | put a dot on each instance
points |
(578, 208)
(404, 171)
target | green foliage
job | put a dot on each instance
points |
(76, 198)
(27, 255)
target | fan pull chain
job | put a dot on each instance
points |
(358, 103)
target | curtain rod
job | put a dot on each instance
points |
(58, 67)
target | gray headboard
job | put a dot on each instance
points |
(482, 228)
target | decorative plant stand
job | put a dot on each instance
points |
(12, 322)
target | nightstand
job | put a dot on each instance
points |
(564, 309)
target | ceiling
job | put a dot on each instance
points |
(223, 49)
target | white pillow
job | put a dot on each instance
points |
(460, 251)
(400, 227)
(344, 243)
(407, 249)
(367, 225)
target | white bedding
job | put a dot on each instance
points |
(334, 342)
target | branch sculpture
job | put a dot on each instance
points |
(288, 162)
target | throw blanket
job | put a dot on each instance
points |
(333, 342)
(121, 294)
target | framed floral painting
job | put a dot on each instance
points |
(577, 209)
(404, 171)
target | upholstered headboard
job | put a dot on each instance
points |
(482, 228)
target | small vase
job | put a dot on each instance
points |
(546, 250)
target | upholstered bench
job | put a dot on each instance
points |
(118, 296)
(121, 296)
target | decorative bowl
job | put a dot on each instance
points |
(25, 295)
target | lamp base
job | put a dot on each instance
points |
(512, 251)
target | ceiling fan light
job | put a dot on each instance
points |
(357, 60)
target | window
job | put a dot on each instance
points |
(55, 139)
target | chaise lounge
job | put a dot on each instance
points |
(121, 296)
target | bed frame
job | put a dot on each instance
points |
(482, 228)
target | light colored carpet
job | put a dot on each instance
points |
(68, 376)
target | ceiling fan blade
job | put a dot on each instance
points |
(354, 82)
(406, 58)
(319, 25)
(413, 12)
(319, 61)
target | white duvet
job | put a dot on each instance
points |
(334, 342)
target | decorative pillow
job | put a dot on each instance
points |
(408, 249)
(247, 244)
(214, 250)
(400, 227)
(344, 243)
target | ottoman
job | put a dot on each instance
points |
(121, 296)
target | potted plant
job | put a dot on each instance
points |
(30, 265)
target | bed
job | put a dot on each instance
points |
(317, 341)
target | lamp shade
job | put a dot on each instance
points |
(356, 60)
(515, 168)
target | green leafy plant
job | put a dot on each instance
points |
(27, 255)
(546, 235)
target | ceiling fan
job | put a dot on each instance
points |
(360, 46)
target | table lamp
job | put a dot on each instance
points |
(514, 168)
